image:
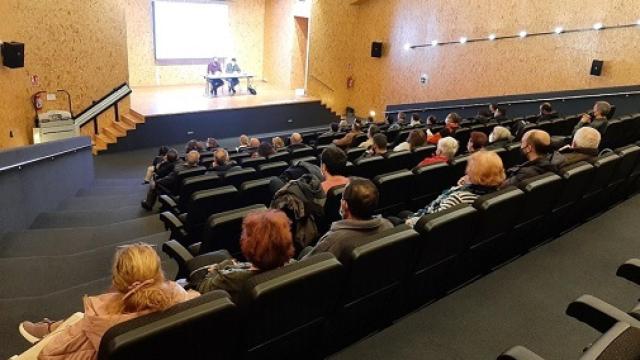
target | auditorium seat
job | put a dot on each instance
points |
(190, 330)
(545, 125)
(401, 137)
(274, 168)
(372, 295)
(256, 192)
(332, 207)
(238, 155)
(237, 177)
(577, 178)
(252, 162)
(513, 156)
(397, 160)
(628, 159)
(360, 138)
(614, 135)
(462, 135)
(189, 186)
(395, 190)
(443, 238)
(286, 309)
(594, 197)
(354, 153)
(279, 156)
(420, 153)
(430, 181)
(459, 167)
(308, 159)
(302, 152)
(368, 167)
(183, 174)
(328, 138)
(497, 213)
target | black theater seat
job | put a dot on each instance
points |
(252, 162)
(256, 192)
(513, 156)
(430, 181)
(302, 152)
(286, 309)
(237, 177)
(577, 178)
(354, 153)
(182, 175)
(398, 160)
(443, 239)
(395, 190)
(629, 156)
(308, 159)
(274, 168)
(369, 167)
(332, 207)
(462, 135)
(189, 186)
(459, 166)
(279, 156)
(223, 230)
(420, 153)
(594, 197)
(183, 331)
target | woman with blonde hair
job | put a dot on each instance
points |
(139, 288)
(485, 173)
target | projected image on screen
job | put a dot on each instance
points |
(189, 30)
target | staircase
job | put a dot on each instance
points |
(111, 133)
(67, 253)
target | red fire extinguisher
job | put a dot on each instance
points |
(350, 82)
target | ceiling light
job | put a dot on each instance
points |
(598, 26)
(492, 37)
(463, 40)
(434, 42)
(372, 113)
(407, 46)
(522, 34)
(559, 30)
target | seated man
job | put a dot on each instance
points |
(371, 132)
(536, 147)
(547, 112)
(346, 141)
(445, 152)
(253, 146)
(598, 120)
(401, 121)
(221, 163)
(333, 164)
(333, 128)
(170, 182)
(295, 142)
(233, 68)
(214, 68)
(452, 123)
(477, 141)
(415, 120)
(359, 200)
(584, 146)
(379, 146)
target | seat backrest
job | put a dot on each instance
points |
(541, 194)
(279, 156)
(197, 183)
(308, 159)
(223, 230)
(395, 189)
(237, 177)
(629, 157)
(577, 178)
(187, 173)
(206, 202)
(302, 152)
(497, 213)
(328, 138)
(620, 342)
(332, 204)
(274, 168)
(183, 331)
(430, 181)
(360, 138)
(369, 167)
(287, 307)
(252, 161)
(256, 191)
(513, 156)
(398, 160)
(614, 134)
(420, 153)
(462, 135)
(354, 153)
(459, 166)
(605, 167)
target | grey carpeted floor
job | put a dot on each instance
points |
(523, 302)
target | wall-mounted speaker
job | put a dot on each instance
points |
(13, 54)
(596, 67)
(376, 49)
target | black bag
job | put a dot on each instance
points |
(252, 90)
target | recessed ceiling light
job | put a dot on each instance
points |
(434, 42)
(559, 30)
(407, 46)
(463, 40)
(598, 26)
(492, 37)
(522, 34)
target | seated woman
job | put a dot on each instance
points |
(485, 173)
(445, 152)
(278, 144)
(415, 139)
(266, 242)
(477, 141)
(139, 288)
(500, 136)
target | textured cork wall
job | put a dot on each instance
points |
(341, 36)
(247, 27)
(75, 45)
(278, 39)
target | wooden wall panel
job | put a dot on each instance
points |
(247, 27)
(79, 46)
(341, 35)
(278, 39)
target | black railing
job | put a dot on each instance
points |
(49, 157)
(98, 107)
(515, 102)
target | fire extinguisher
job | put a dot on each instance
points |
(350, 82)
(37, 101)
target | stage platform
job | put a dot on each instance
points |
(177, 114)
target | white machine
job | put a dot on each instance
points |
(54, 125)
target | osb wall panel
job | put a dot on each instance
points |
(529, 65)
(247, 27)
(278, 39)
(79, 46)
(299, 52)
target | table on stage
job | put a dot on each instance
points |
(226, 78)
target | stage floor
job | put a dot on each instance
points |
(150, 101)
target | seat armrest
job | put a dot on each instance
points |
(598, 314)
(519, 353)
(180, 254)
(169, 204)
(173, 224)
(630, 270)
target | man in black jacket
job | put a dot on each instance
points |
(536, 147)
(169, 182)
(584, 146)
(547, 112)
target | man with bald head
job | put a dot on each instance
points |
(536, 147)
(584, 146)
(169, 183)
(295, 142)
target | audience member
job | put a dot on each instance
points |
(445, 152)
(333, 164)
(484, 174)
(415, 120)
(584, 146)
(346, 141)
(477, 141)
(452, 123)
(138, 287)
(295, 142)
(266, 244)
(265, 149)
(379, 147)
(536, 147)
(253, 147)
(547, 112)
(171, 181)
(193, 145)
(500, 136)
(343, 125)
(500, 114)
(162, 152)
(212, 144)
(493, 107)
(278, 143)
(484, 116)
(244, 142)
(401, 121)
(415, 139)
(221, 163)
(431, 121)
(334, 128)
(598, 120)
(373, 129)
(359, 200)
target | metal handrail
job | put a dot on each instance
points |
(322, 82)
(112, 99)
(509, 103)
(22, 164)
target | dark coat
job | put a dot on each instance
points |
(574, 155)
(551, 162)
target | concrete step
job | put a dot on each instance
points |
(65, 219)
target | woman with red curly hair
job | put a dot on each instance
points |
(266, 243)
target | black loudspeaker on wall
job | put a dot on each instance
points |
(376, 49)
(596, 67)
(13, 54)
